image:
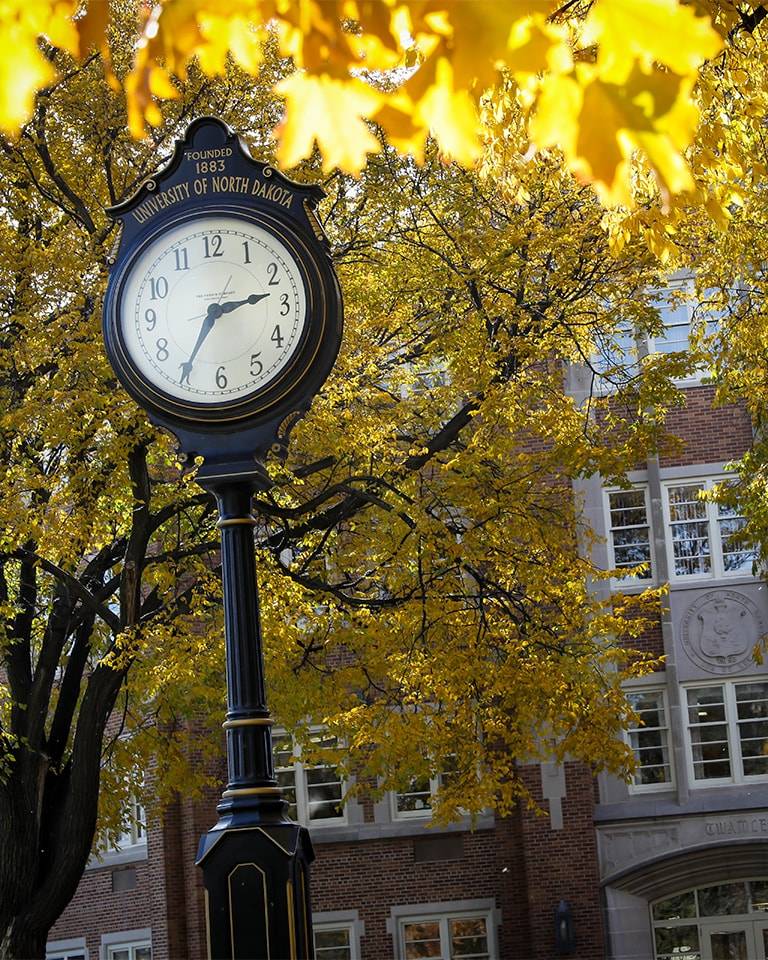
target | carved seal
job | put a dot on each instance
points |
(720, 630)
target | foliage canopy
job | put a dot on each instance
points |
(423, 588)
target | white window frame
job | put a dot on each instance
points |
(425, 814)
(130, 940)
(66, 949)
(716, 571)
(647, 344)
(130, 945)
(667, 785)
(624, 583)
(302, 791)
(732, 733)
(351, 926)
(442, 917)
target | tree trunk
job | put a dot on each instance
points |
(19, 941)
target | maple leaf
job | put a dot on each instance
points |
(451, 116)
(664, 31)
(23, 70)
(330, 113)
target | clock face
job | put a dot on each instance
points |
(213, 310)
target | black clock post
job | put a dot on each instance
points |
(254, 861)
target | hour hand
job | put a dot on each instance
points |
(231, 305)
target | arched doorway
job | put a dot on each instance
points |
(721, 921)
(655, 910)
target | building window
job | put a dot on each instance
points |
(335, 942)
(417, 799)
(135, 830)
(691, 924)
(679, 312)
(703, 535)
(459, 936)
(649, 740)
(133, 834)
(73, 949)
(728, 732)
(129, 951)
(629, 531)
(314, 791)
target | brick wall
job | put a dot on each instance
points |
(562, 865)
(708, 434)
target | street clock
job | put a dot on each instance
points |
(223, 318)
(222, 315)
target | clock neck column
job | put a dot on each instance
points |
(255, 861)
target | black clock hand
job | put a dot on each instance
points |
(214, 311)
(231, 305)
(205, 329)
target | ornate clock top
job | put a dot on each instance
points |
(211, 161)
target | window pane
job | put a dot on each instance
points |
(615, 349)
(735, 555)
(285, 770)
(729, 945)
(119, 953)
(332, 938)
(706, 705)
(723, 899)
(677, 943)
(417, 797)
(690, 530)
(630, 533)
(422, 940)
(324, 793)
(333, 944)
(752, 722)
(143, 953)
(469, 938)
(676, 908)
(758, 890)
(649, 742)
(709, 734)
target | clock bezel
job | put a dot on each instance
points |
(322, 307)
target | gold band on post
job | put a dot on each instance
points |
(249, 722)
(253, 791)
(237, 522)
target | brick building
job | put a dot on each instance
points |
(673, 865)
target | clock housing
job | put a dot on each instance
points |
(223, 314)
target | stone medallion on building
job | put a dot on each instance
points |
(720, 630)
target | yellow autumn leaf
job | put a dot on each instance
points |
(330, 113)
(451, 116)
(224, 34)
(23, 70)
(555, 122)
(537, 46)
(664, 31)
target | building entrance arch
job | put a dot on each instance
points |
(720, 921)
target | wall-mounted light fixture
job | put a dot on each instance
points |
(565, 930)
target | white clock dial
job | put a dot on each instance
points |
(213, 310)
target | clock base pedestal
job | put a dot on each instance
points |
(256, 875)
